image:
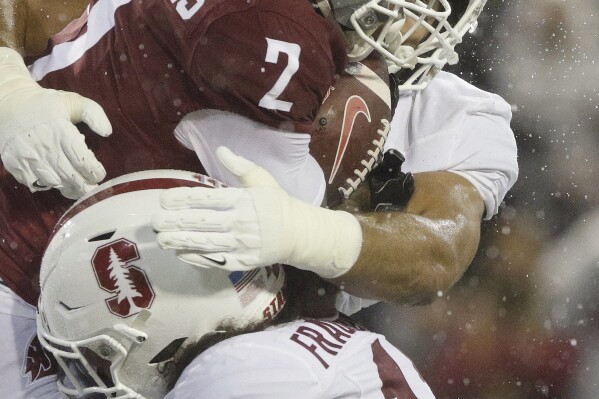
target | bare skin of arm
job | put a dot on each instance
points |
(26, 25)
(408, 257)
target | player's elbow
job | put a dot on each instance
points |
(449, 266)
(447, 260)
(436, 279)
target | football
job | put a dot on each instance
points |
(351, 127)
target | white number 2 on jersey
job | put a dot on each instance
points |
(270, 99)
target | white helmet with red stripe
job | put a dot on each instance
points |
(114, 307)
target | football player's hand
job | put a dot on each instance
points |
(39, 143)
(255, 226)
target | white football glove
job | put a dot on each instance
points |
(39, 143)
(259, 225)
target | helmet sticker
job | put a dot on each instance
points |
(249, 285)
(115, 274)
(38, 363)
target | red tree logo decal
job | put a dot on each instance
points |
(116, 275)
(38, 362)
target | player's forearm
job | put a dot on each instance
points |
(405, 259)
(409, 257)
(395, 257)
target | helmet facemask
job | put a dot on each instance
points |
(416, 37)
(91, 367)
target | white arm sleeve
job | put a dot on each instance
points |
(453, 126)
(283, 154)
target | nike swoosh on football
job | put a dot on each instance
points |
(220, 262)
(354, 106)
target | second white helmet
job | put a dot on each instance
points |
(114, 307)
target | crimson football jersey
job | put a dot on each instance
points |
(149, 64)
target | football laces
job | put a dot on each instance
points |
(370, 161)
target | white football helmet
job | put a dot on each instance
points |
(114, 306)
(419, 35)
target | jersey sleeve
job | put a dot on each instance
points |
(232, 370)
(453, 126)
(285, 155)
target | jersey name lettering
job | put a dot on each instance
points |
(324, 339)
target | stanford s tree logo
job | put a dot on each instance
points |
(115, 274)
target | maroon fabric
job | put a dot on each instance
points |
(152, 69)
(395, 385)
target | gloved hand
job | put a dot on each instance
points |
(39, 143)
(255, 226)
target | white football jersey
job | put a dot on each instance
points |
(26, 370)
(311, 359)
